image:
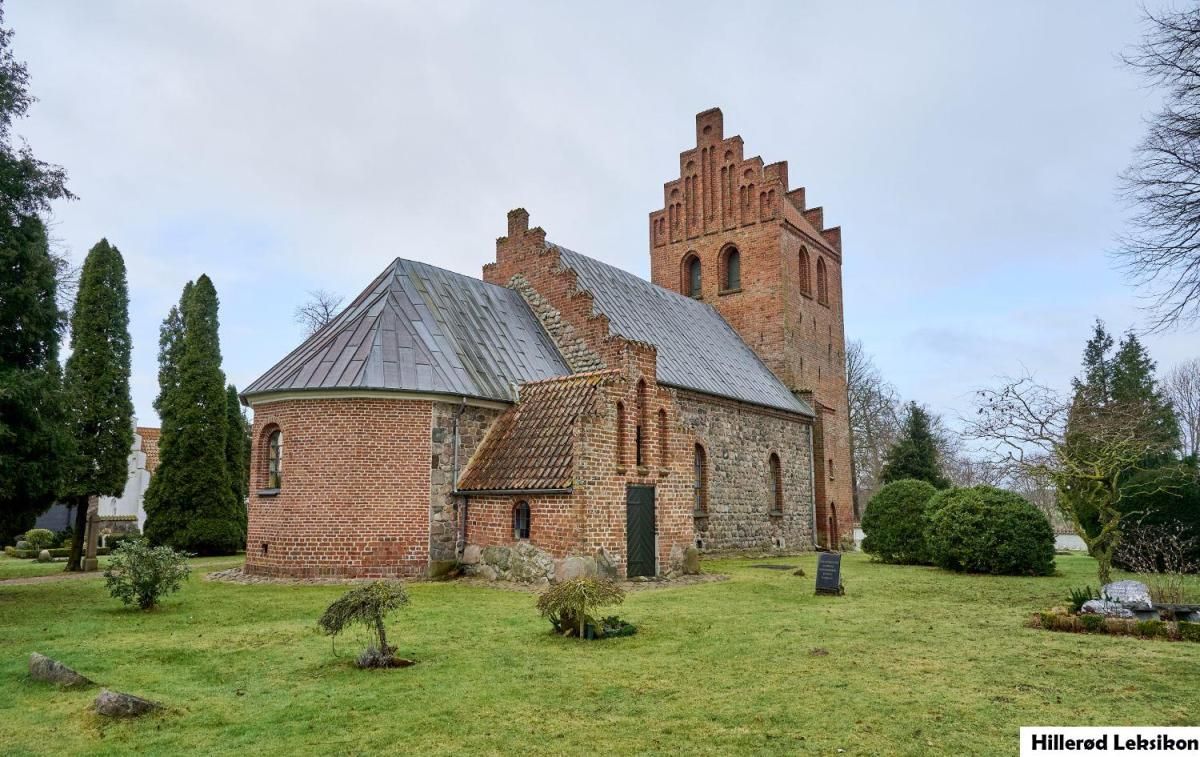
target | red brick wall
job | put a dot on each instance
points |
(555, 522)
(722, 198)
(355, 499)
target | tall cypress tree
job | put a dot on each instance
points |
(236, 449)
(32, 437)
(96, 387)
(915, 456)
(1133, 382)
(165, 524)
(193, 505)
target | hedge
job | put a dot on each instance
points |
(987, 530)
(895, 522)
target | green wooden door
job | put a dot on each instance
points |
(639, 531)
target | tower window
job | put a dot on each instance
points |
(620, 433)
(805, 273)
(640, 430)
(731, 269)
(520, 517)
(691, 275)
(822, 282)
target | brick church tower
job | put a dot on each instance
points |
(732, 234)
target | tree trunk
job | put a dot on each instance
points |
(75, 560)
(383, 645)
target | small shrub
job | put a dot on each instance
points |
(1189, 631)
(140, 574)
(368, 606)
(987, 530)
(1118, 626)
(1150, 629)
(1046, 620)
(895, 522)
(39, 538)
(1092, 623)
(569, 605)
(1079, 597)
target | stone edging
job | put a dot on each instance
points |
(236, 576)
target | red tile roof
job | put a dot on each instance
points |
(149, 446)
(531, 446)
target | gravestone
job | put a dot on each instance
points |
(829, 574)
(90, 562)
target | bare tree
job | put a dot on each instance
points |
(321, 308)
(1163, 554)
(874, 420)
(1025, 426)
(1161, 253)
(1182, 387)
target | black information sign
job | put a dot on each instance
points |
(829, 573)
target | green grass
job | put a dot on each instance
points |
(918, 661)
(12, 567)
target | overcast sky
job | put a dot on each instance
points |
(969, 152)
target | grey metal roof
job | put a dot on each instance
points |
(424, 329)
(697, 348)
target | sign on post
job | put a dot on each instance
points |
(829, 574)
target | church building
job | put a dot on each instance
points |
(561, 416)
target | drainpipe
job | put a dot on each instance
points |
(461, 500)
(812, 488)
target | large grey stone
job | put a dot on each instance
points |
(574, 567)
(114, 704)
(498, 557)
(691, 561)
(42, 668)
(486, 572)
(605, 567)
(529, 564)
(1106, 608)
(472, 554)
(1133, 595)
(44, 556)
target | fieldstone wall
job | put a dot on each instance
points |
(738, 440)
(473, 425)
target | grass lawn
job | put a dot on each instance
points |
(12, 567)
(918, 661)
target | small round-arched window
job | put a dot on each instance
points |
(731, 269)
(275, 460)
(520, 517)
(691, 275)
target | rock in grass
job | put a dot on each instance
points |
(114, 704)
(1133, 595)
(42, 668)
(1106, 608)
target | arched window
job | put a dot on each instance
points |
(731, 269)
(662, 438)
(805, 272)
(691, 275)
(275, 460)
(621, 433)
(822, 282)
(775, 485)
(642, 427)
(520, 515)
(700, 482)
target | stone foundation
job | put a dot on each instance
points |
(524, 563)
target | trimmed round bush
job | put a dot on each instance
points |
(39, 538)
(895, 522)
(987, 530)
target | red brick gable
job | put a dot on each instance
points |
(531, 446)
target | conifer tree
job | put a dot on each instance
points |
(96, 387)
(915, 456)
(1133, 381)
(32, 437)
(192, 506)
(236, 452)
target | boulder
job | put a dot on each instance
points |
(1106, 608)
(605, 567)
(472, 554)
(574, 567)
(691, 561)
(498, 557)
(22, 544)
(114, 704)
(441, 568)
(486, 572)
(1133, 595)
(42, 668)
(528, 564)
(44, 556)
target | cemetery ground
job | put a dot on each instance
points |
(912, 660)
